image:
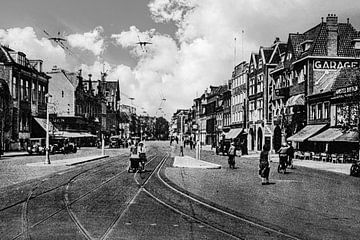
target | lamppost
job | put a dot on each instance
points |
(47, 157)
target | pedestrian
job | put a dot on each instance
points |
(290, 153)
(264, 166)
(283, 157)
(177, 140)
(231, 155)
(141, 150)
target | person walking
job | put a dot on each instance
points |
(283, 158)
(141, 150)
(231, 155)
(264, 165)
(290, 153)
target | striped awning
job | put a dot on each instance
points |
(297, 100)
(307, 132)
(327, 136)
(350, 136)
(233, 133)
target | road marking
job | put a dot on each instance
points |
(153, 224)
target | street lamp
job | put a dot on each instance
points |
(47, 158)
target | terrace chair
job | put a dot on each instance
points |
(340, 158)
(307, 156)
(333, 158)
(323, 157)
(316, 157)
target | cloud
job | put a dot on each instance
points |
(91, 41)
(25, 40)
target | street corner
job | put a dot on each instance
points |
(190, 162)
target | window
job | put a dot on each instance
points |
(326, 110)
(22, 89)
(319, 111)
(33, 92)
(14, 88)
(312, 112)
(62, 93)
(26, 92)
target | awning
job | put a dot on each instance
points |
(85, 134)
(297, 100)
(233, 133)
(267, 131)
(72, 134)
(307, 132)
(350, 136)
(327, 136)
(42, 123)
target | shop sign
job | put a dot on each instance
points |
(347, 91)
(335, 64)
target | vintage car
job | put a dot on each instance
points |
(62, 145)
(116, 142)
(36, 146)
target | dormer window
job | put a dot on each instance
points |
(282, 56)
(305, 45)
(260, 63)
(356, 43)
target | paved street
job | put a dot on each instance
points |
(100, 200)
(15, 169)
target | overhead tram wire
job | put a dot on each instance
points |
(60, 42)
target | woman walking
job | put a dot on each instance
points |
(264, 166)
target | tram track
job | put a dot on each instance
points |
(78, 223)
(232, 217)
(26, 227)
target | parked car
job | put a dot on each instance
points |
(62, 145)
(116, 142)
(36, 146)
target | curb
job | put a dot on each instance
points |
(88, 160)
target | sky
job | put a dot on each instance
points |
(193, 41)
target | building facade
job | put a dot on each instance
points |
(27, 85)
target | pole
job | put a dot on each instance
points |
(47, 156)
(102, 144)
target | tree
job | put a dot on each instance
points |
(162, 128)
(353, 76)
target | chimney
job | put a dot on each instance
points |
(332, 29)
(90, 84)
(80, 84)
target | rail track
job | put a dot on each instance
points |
(26, 226)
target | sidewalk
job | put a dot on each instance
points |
(14, 154)
(343, 168)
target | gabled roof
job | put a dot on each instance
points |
(72, 77)
(318, 36)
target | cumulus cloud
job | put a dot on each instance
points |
(25, 40)
(92, 41)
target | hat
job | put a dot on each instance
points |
(141, 143)
(232, 143)
(284, 144)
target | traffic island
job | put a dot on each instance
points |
(190, 162)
